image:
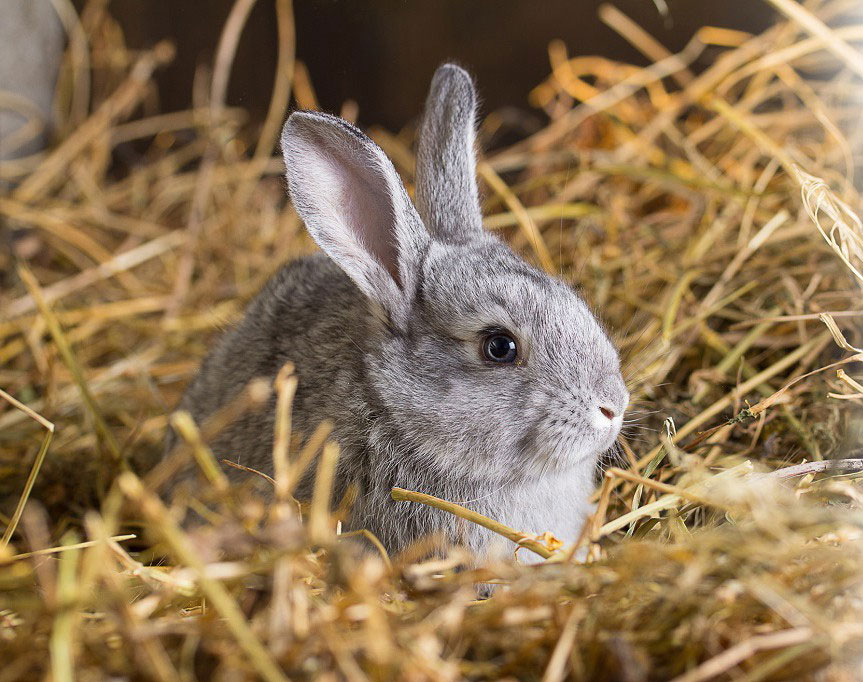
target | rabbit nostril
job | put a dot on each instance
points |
(607, 413)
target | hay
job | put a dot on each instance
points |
(708, 206)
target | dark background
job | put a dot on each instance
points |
(381, 53)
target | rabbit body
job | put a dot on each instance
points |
(446, 363)
(310, 313)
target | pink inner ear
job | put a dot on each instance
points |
(369, 212)
(352, 201)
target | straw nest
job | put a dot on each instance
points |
(705, 203)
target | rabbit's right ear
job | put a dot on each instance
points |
(446, 192)
(355, 207)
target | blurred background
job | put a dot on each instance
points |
(376, 57)
(381, 55)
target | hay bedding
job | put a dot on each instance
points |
(686, 198)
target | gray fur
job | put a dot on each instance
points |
(385, 330)
(446, 194)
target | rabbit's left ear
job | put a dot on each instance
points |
(355, 207)
(446, 192)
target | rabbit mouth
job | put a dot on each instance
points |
(610, 438)
(560, 444)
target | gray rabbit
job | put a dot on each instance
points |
(448, 365)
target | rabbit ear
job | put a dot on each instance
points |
(446, 194)
(354, 206)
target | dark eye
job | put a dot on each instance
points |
(499, 347)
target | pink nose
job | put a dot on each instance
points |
(607, 412)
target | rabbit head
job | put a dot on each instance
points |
(485, 367)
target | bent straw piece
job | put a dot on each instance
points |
(820, 467)
(837, 334)
(217, 594)
(842, 376)
(282, 81)
(184, 424)
(26, 410)
(855, 386)
(664, 487)
(671, 500)
(521, 539)
(249, 470)
(845, 235)
(372, 538)
(28, 488)
(226, 50)
(65, 548)
(34, 470)
(762, 405)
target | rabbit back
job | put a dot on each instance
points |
(310, 314)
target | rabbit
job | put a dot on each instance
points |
(447, 364)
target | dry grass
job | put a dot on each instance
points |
(680, 196)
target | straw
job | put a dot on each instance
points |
(706, 205)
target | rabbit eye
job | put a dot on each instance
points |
(499, 347)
